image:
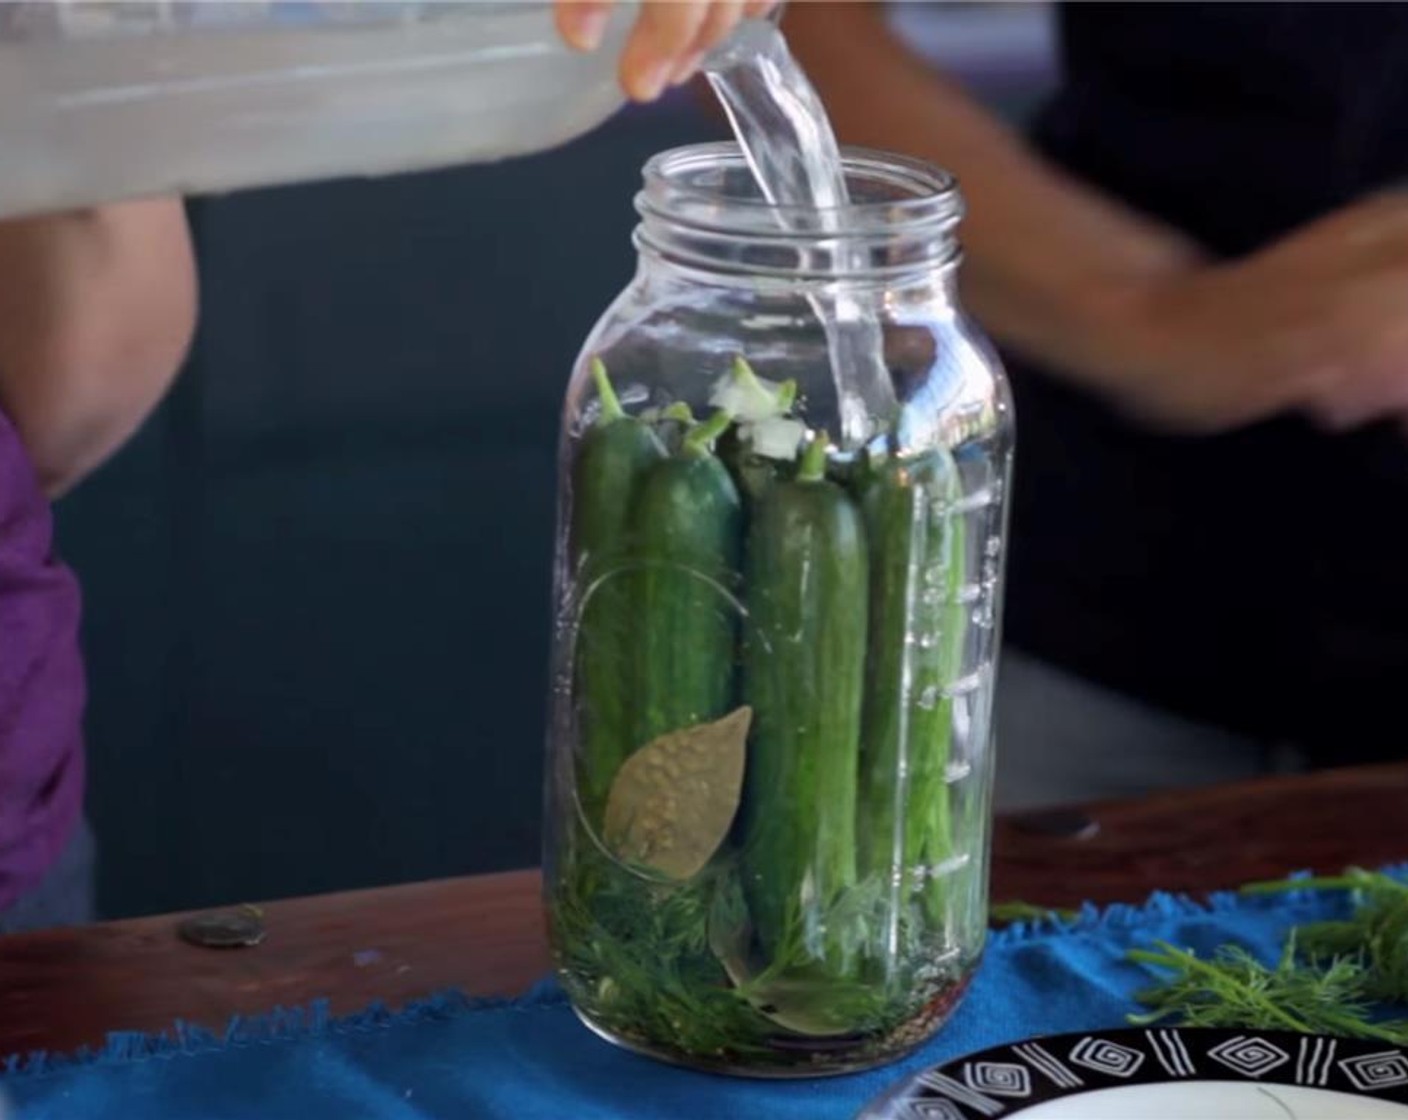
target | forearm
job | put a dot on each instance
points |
(1050, 264)
(96, 313)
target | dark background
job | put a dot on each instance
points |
(317, 582)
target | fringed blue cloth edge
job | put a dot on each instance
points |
(313, 1021)
(279, 1025)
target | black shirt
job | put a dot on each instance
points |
(1259, 579)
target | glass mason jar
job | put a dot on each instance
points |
(776, 626)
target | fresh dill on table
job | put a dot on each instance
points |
(1375, 933)
(1234, 989)
(1333, 977)
(1006, 913)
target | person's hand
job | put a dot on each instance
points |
(668, 42)
(1317, 323)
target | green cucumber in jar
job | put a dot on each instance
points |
(804, 670)
(918, 624)
(688, 523)
(612, 461)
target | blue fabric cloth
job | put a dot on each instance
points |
(530, 1059)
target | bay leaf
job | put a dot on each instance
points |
(674, 799)
(799, 992)
(817, 1007)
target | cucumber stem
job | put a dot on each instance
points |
(744, 375)
(813, 465)
(787, 395)
(611, 409)
(700, 439)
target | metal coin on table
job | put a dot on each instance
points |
(224, 929)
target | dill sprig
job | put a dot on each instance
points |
(648, 960)
(1376, 933)
(1234, 989)
(1005, 913)
(1331, 978)
(638, 955)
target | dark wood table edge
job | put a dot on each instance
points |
(484, 935)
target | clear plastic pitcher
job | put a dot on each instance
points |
(101, 101)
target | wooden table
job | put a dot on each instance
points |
(483, 934)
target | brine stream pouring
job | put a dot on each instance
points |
(788, 142)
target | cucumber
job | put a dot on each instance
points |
(917, 630)
(804, 669)
(612, 462)
(688, 524)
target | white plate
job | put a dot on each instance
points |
(1161, 1074)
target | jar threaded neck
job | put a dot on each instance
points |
(701, 208)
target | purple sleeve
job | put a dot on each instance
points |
(42, 688)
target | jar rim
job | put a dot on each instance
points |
(928, 196)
